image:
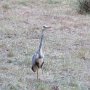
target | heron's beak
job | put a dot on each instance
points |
(46, 27)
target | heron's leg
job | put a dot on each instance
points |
(43, 73)
(37, 74)
(42, 68)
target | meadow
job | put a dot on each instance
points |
(66, 45)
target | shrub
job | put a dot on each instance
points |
(84, 6)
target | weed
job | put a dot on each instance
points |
(5, 7)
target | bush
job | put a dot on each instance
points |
(84, 6)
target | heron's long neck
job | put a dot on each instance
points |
(41, 41)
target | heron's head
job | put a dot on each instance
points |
(46, 27)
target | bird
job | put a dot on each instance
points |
(38, 56)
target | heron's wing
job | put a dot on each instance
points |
(38, 55)
(34, 58)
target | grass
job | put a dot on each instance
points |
(10, 54)
(53, 1)
(66, 47)
(42, 86)
(23, 2)
(5, 6)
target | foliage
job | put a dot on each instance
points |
(84, 6)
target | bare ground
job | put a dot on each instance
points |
(67, 45)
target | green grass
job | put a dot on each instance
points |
(42, 86)
(53, 1)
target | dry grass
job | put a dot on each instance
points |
(67, 45)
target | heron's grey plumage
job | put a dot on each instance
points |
(38, 57)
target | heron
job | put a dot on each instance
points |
(38, 56)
